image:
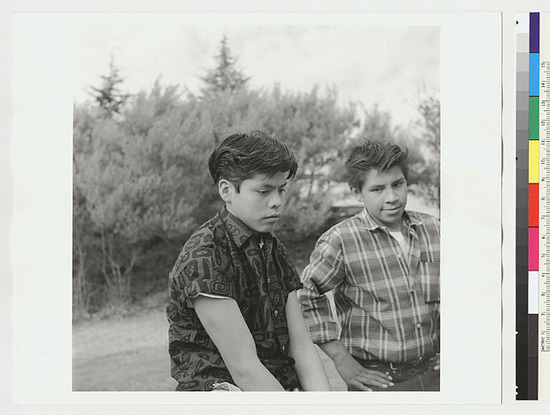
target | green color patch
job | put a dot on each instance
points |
(533, 118)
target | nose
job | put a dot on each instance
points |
(392, 196)
(276, 200)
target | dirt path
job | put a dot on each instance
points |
(131, 354)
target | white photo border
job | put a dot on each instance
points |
(470, 211)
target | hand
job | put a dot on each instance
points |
(359, 378)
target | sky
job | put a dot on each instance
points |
(384, 65)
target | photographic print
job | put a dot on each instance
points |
(303, 162)
(151, 103)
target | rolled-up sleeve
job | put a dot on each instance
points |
(324, 272)
(204, 270)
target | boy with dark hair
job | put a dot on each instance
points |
(233, 309)
(382, 266)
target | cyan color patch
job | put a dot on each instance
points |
(534, 63)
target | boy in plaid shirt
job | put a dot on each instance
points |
(382, 266)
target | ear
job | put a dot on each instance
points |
(226, 189)
(358, 195)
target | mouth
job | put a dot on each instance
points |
(272, 217)
(394, 209)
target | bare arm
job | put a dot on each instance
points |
(225, 325)
(308, 365)
(355, 375)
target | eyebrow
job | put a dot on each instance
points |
(270, 186)
(376, 186)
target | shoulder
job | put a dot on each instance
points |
(209, 236)
(425, 220)
(206, 248)
(342, 230)
(422, 217)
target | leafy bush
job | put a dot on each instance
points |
(141, 183)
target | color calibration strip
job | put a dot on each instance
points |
(533, 209)
(544, 208)
(533, 244)
(523, 215)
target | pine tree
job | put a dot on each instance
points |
(108, 96)
(225, 76)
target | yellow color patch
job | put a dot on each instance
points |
(533, 161)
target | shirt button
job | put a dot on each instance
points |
(276, 313)
(283, 348)
(418, 325)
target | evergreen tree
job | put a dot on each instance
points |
(108, 96)
(225, 76)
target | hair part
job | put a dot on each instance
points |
(373, 155)
(241, 156)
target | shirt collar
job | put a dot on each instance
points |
(236, 228)
(372, 225)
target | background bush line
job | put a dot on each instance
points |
(141, 183)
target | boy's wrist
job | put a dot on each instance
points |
(335, 350)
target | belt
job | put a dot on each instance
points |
(419, 363)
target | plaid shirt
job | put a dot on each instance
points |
(387, 305)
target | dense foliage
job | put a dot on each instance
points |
(141, 183)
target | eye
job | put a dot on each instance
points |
(262, 192)
(376, 190)
(282, 190)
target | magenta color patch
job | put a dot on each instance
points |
(533, 249)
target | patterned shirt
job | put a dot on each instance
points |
(225, 258)
(386, 303)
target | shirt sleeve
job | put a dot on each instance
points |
(324, 272)
(204, 269)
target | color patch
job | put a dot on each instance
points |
(533, 249)
(533, 292)
(534, 27)
(533, 204)
(534, 64)
(533, 161)
(534, 118)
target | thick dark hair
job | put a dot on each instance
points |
(373, 155)
(242, 155)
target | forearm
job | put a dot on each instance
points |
(226, 327)
(254, 376)
(308, 365)
(309, 368)
(335, 350)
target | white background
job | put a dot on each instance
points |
(38, 162)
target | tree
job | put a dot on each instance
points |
(108, 96)
(429, 127)
(225, 76)
(141, 180)
(317, 127)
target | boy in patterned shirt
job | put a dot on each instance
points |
(233, 310)
(382, 266)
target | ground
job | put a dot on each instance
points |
(131, 354)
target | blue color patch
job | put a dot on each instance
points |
(534, 60)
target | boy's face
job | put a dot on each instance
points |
(259, 202)
(384, 195)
